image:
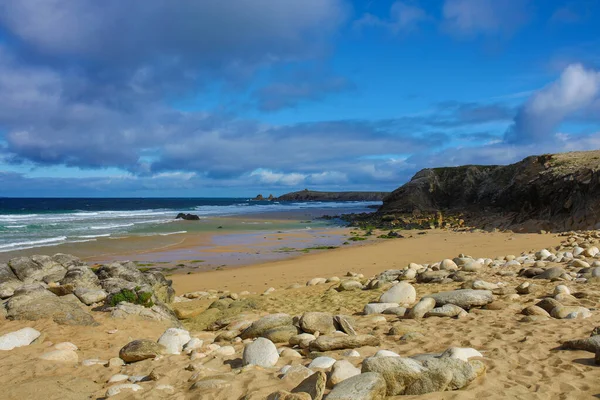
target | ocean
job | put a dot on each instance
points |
(31, 223)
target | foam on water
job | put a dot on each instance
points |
(30, 223)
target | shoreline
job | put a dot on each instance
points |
(369, 258)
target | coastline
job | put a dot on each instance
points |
(369, 258)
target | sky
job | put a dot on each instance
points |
(207, 98)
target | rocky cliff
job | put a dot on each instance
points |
(552, 192)
(311, 195)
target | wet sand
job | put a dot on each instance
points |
(368, 258)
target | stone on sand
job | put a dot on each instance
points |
(378, 308)
(419, 310)
(365, 386)
(322, 362)
(464, 298)
(314, 385)
(329, 343)
(66, 356)
(20, 338)
(174, 339)
(139, 350)
(312, 322)
(400, 293)
(342, 370)
(261, 352)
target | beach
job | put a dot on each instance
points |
(520, 356)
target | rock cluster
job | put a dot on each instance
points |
(60, 287)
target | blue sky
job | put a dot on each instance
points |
(208, 98)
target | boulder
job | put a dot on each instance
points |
(321, 322)
(281, 334)
(464, 298)
(591, 344)
(29, 271)
(157, 312)
(566, 312)
(139, 350)
(400, 293)
(261, 352)
(322, 362)
(20, 338)
(80, 276)
(550, 273)
(448, 310)
(173, 339)
(365, 386)
(8, 281)
(342, 370)
(314, 385)
(329, 343)
(419, 310)
(398, 372)
(188, 217)
(90, 296)
(344, 324)
(303, 340)
(259, 327)
(33, 302)
(378, 308)
(349, 285)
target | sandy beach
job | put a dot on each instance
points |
(522, 359)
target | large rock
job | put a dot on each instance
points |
(398, 372)
(419, 310)
(401, 293)
(157, 312)
(448, 310)
(20, 338)
(28, 270)
(562, 312)
(314, 385)
(90, 296)
(258, 328)
(591, 344)
(365, 386)
(464, 298)
(261, 352)
(139, 350)
(33, 302)
(321, 322)
(173, 339)
(116, 276)
(550, 273)
(329, 343)
(342, 370)
(462, 372)
(8, 281)
(81, 276)
(281, 334)
(378, 308)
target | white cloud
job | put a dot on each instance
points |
(576, 90)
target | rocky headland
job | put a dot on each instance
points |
(551, 192)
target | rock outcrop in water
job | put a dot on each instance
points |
(187, 217)
(551, 192)
(312, 195)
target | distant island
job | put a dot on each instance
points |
(313, 195)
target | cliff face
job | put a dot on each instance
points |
(311, 195)
(552, 192)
